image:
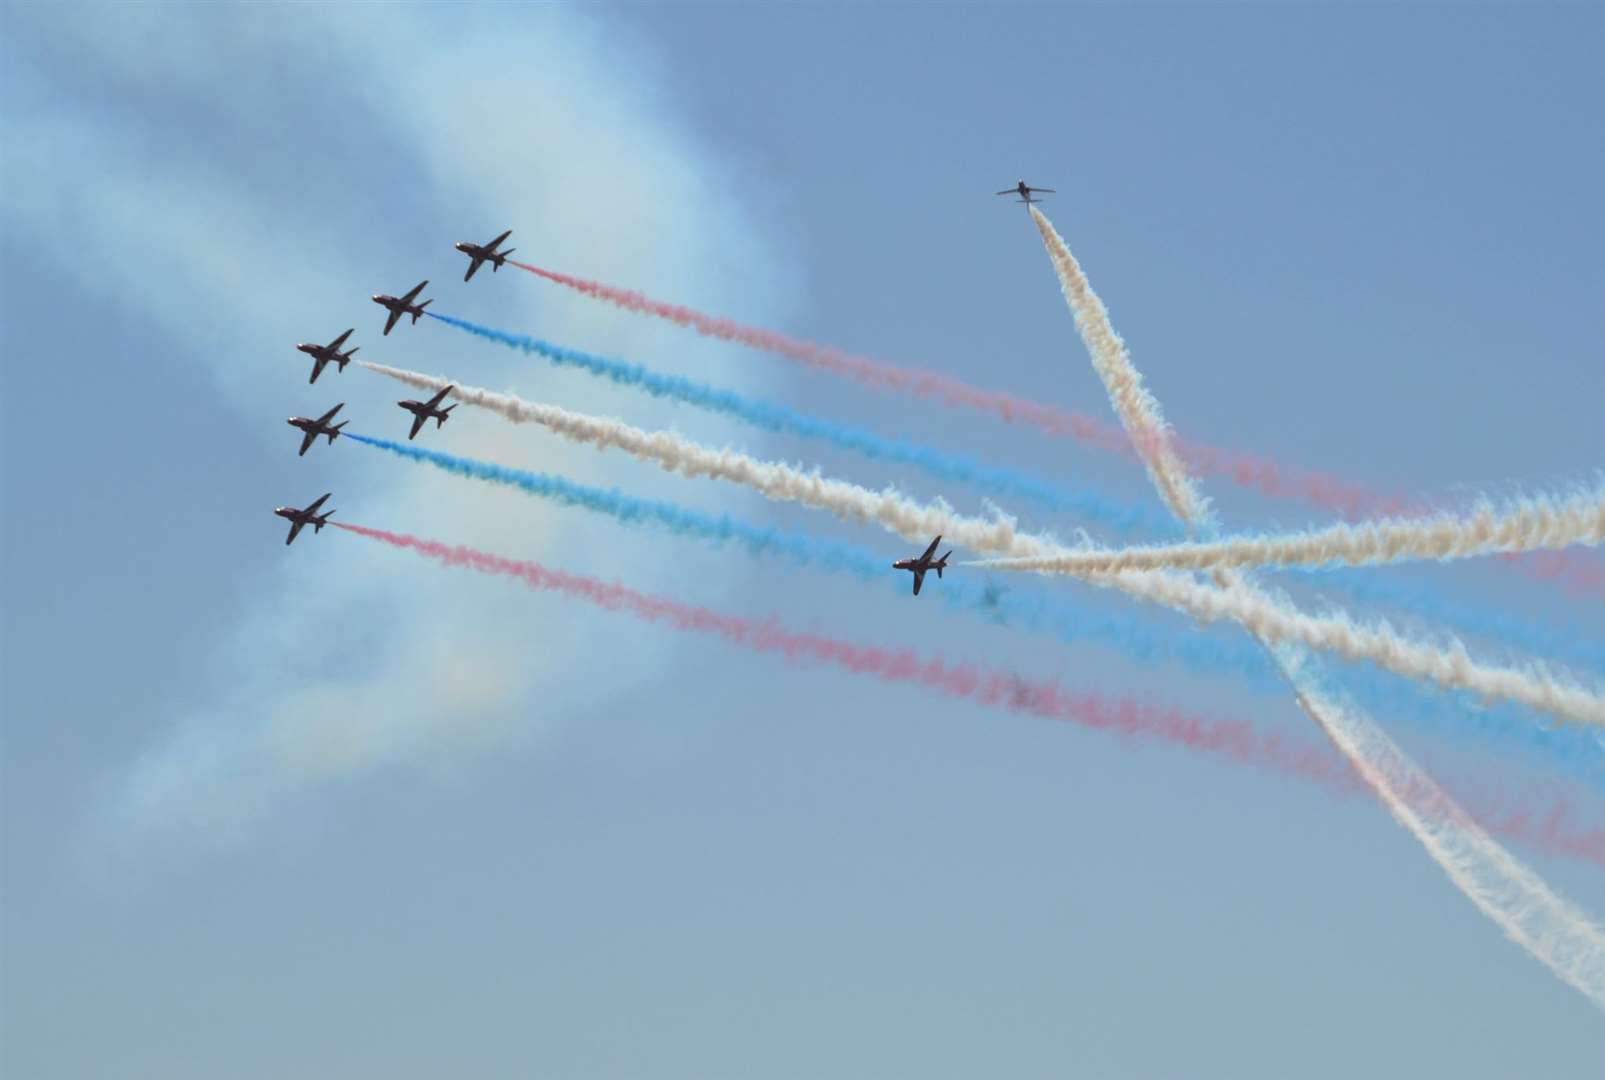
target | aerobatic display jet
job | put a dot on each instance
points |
(320, 426)
(423, 410)
(1025, 190)
(924, 563)
(301, 518)
(323, 354)
(403, 305)
(478, 253)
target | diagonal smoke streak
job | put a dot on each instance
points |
(1266, 477)
(1557, 933)
(1230, 739)
(784, 420)
(1274, 620)
(1526, 524)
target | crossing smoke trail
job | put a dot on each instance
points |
(1550, 928)
(1245, 470)
(1379, 643)
(1525, 525)
(1034, 612)
(780, 419)
(1230, 739)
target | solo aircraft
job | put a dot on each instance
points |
(320, 426)
(924, 563)
(403, 305)
(424, 410)
(1025, 191)
(323, 354)
(300, 518)
(478, 253)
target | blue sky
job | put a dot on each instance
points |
(333, 811)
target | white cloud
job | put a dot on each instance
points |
(355, 658)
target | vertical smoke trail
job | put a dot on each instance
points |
(1554, 931)
(1379, 643)
(1232, 739)
(784, 420)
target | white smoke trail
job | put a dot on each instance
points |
(1553, 930)
(1274, 620)
(1529, 524)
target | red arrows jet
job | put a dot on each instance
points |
(920, 565)
(478, 253)
(320, 426)
(424, 410)
(301, 518)
(1025, 190)
(322, 355)
(403, 305)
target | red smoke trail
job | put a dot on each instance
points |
(1234, 739)
(1239, 467)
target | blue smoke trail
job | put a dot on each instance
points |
(1443, 713)
(778, 418)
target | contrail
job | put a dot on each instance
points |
(1277, 621)
(1234, 740)
(1557, 933)
(781, 419)
(1072, 623)
(1243, 469)
(1526, 524)
(1263, 476)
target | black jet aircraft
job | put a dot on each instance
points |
(1024, 190)
(309, 516)
(423, 410)
(403, 305)
(478, 253)
(920, 565)
(323, 354)
(320, 426)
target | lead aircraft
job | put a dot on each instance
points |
(1025, 190)
(402, 305)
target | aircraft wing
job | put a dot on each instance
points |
(390, 323)
(494, 244)
(326, 417)
(1009, 191)
(1049, 190)
(320, 501)
(334, 345)
(417, 422)
(438, 398)
(919, 579)
(473, 264)
(318, 363)
(414, 291)
(295, 530)
(931, 550)
(307, 440)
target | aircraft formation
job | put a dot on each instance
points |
(423, 411)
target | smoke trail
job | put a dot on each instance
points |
(1525, 525)
(780, 419)
(1554, 931)
(1034, 612)
(1278, 621)
(1231, 739)
(1246, 470)
(1266, 477)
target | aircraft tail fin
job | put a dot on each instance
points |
(420, 310)
(319, 522)
(501, 258)
(336, 430)
(942, 562)
(440, 420)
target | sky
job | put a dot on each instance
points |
(331, 810)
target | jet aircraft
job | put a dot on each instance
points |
(478, 253)
(320, 426)
(423, 410)
(1025, 190)
(403, 305)
(920, 565)
(323, 354)
(301, 518)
